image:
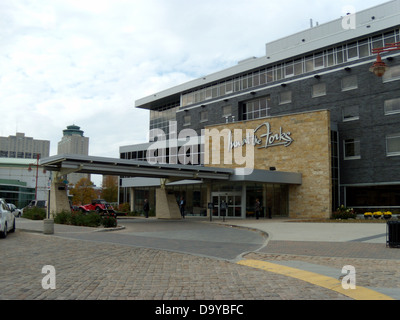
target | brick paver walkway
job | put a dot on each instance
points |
(88, 270)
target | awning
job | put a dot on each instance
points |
(66, 164)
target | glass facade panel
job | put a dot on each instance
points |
(378, 197)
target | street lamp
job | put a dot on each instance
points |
(379, 68)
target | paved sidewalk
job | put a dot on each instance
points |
(325, 248)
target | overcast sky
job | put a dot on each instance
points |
(85, 62)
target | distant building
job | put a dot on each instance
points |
(22, 147)
(18, 181)
(74, 142)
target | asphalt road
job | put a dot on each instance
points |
(184, 236)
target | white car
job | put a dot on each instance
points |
(17, 212)
(7, 220)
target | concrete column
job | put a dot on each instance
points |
(132, 199)
(166, 206)
(58, 199)
(209, 198)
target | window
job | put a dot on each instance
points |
(352, 51)
(319, 90)
(330, 58)
(363, 49)
(392, 74)
(187, 120)
(393, 145)
(392, 106)
(318, 60)
(256, 109)
(349, 83)
(289, 70)
(229, 87)
(298, 67)
(351, 113)
(226, 111)
(203, 116)
(352, 149)
(285, 97)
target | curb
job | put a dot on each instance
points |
(110, 229)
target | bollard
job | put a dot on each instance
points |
(48, 226)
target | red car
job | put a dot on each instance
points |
(100, 206)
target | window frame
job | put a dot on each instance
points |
(355, 141)
(313, 93)
(395, 153)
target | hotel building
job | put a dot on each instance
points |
(324, 130)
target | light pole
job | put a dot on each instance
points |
(379, 68)
(37, 174)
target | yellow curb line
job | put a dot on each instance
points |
(360, 293)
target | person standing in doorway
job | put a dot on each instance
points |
(182, 207)
(146, 208)
(257, 208)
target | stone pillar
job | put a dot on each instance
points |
(209, 198)
(58, 199)
(166, 206)
(132, 199)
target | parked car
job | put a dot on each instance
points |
(7, 220)
(17, 212)
(98, 205)
(36, 203)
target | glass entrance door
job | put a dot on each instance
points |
(233, 202)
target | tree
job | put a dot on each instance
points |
(83, 192)
(110, 189)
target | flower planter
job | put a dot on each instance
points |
(368, 215)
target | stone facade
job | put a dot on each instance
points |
(309, 153)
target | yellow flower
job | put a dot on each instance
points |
(378, 213)
(368, 214)
(387, 213)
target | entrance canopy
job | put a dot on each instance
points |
(129, 168)
(65, 164)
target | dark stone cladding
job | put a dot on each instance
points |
(372, 127)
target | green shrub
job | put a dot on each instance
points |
(34, 213)
(92, 219)
(124, 207)
(109, 222)
(63, 217)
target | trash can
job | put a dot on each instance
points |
(393, 234)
